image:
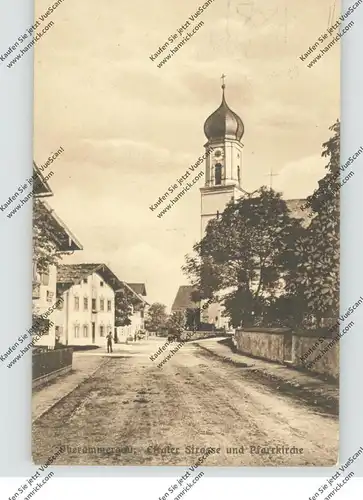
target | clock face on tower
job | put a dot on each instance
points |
(218, 153)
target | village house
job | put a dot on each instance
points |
(44, 282)
(86, 315)
(138, 310)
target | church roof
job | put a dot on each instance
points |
(183, 299)
(223, 123)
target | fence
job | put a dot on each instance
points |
(49, 364)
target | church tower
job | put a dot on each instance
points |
(224, 130)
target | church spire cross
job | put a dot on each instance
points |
(271, 175)
(223, 82)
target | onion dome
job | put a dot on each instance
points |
(224, 123)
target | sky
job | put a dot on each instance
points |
(129, 129)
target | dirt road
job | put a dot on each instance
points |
(130, 412)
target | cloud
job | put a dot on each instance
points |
(298, 179)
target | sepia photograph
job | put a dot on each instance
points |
(186, 247)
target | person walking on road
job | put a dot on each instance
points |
(109, 342)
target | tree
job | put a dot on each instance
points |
(156, 317)
(192, 318)
(125, 300)
(317, 270)
(176, 323)
(241, 254)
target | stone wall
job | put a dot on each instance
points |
(199, 334)
(314, 351)
(318, 354)
(267, 343)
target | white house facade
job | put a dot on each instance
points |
(138, 311)
(87, 312)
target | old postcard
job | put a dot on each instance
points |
(185, 192)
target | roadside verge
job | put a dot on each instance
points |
(45, 398)
(312, 390)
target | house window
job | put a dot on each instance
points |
(44, 278)
(102, 331)
(76, 303)
(58, 333)
(84, 280)
(101, 283)
(102, 304)
(85, 330)
(94, 307)
(50, 296)
(60, 304)
(76, 331)
(109, 305)
(218, 174)
(142, 313)
(85, 303)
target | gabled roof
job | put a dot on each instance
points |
(183, 299)
(63, 238)
(73, 274)
(138, 296)
(139, 288)
(41, 187)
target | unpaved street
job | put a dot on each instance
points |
(154, 416)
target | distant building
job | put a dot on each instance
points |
(138, 310)
(44, 281)
(138, 288)
(184, 299)
(87, 312)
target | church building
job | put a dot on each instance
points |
(224, 131)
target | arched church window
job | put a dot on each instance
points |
(238, 174)
(218, 174)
